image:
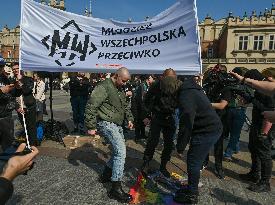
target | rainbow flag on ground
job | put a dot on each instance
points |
(142, 193)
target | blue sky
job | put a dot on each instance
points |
(139, 9)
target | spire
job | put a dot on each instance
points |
(86, 12)
(230, 14)
(254, 14)
(245, 15)
(90, 12)
(208, 16)
(273, 9)
(130, 20)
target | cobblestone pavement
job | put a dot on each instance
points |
(65, 176)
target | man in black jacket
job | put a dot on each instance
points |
(79, 91)
(138, 106)
(201, 127)
(8, 92)
(29, 104)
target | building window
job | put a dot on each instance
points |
(9, 54)
(210, 53)
(243, 43)
(258, 43)
(272, 42)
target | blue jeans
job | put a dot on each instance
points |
(114, 134)
(236, 119)
(200, 146)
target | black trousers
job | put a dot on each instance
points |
(30, 116)
(218, 153)
(139, 129)
(218, 147)
(6, 132)
(260, 150)
(166, 124)
(199, 148)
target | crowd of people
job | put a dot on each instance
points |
(182, 108)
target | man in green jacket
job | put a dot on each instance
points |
(105, 112)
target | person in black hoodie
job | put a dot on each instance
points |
(79, 91)
(8, 92)
(201, 127)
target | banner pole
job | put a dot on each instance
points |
(20, 69)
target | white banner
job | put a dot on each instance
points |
(57, 41)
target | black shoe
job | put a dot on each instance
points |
(250, 176)
(186, 197)
(106, 175)
(118, 193)
(261, 186)
(164, 171)
(219, 173)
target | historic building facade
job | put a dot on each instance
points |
(247, 42)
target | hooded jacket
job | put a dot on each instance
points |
(197, 115)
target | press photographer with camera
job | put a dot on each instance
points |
(265, 87)
(15, 166)
(260, 141)
(8, 93)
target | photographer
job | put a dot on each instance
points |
(265, 87)
(8, 92)
(259, 138)
(14, 167)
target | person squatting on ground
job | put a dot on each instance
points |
(15, 166)
(29, 104)
(259, 139)
(79, 91)
(105, 112)
(161, 100)
(201, 127)
(8, 93)
(138, 107)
